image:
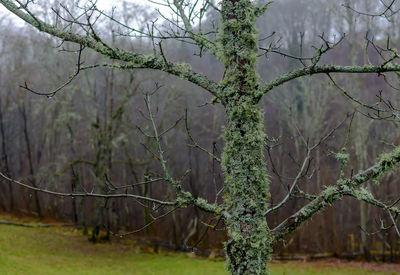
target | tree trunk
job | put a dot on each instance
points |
(4, 160)
(243, 162)
(30, 160)
(246, 183)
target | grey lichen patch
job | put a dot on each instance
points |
(343, 157)
(363, 194)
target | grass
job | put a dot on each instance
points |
(58, 250)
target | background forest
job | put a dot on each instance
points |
(87, 138)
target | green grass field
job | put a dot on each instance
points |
(65, 251)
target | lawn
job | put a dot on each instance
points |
(57, 250)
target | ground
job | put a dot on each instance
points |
(64, 250)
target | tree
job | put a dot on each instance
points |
(246, 200)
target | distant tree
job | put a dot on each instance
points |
(235, 43)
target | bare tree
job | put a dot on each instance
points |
(245, 207)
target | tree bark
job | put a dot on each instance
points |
(5, 157)
(30, 159)
(243, 162)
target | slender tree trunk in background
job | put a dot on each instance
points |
(100, 170)
(243, 161)
(359, 128)
(74, 181)
(364, 242)
(74, 174)
(30, 159)
(5, 156)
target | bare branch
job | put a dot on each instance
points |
(144, 226)
(302, 170)
(195, 144)
(182, 195)
(138, 60)
(200, 39)
(326, 69)
(366, 196)
(388, 10)
(71, 78)
(334, 193)
(86, 194)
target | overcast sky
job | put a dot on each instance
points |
(108, 4)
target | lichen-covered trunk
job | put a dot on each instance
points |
(246, 191)
(246, 182)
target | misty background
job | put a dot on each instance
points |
(91, 134)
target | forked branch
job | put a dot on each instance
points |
(333, 193)
(139, 60)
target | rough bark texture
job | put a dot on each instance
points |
(243, 161)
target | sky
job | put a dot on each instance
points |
(107, 4)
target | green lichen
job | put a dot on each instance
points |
(359, 178)
(387, 164)
(246, 180)
(363, 194)
(343, 157)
